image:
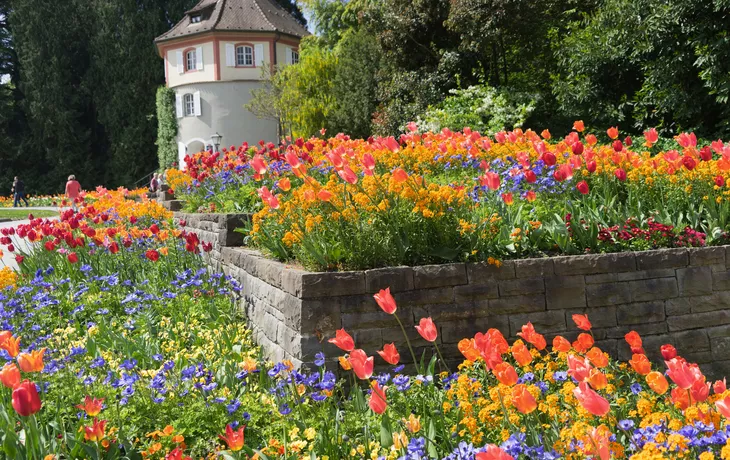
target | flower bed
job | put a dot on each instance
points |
(347, 204)
(117, 343)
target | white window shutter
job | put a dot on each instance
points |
(180, 63)
(288, 56)
(230, 55)
(259, 55)
(196, 100)
(199, 57)
(179, 105)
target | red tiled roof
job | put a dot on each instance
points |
(236, 16)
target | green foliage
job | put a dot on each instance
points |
(166, 127)
(480, 107)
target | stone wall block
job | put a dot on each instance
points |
(563, 292)
(453, 331)
(430, 276)
(691, 341)
(653, 289)
(531, 268)
(317, 316)
(599, 317)
(595, 263)
(517, 304)
(332, 284)
(482, 272)
(694, 280)
(473, 292)
(662, 258)
(698, 320)
(646, 274)
(707, 256)
(598, 295)
(398, 279)
(640, 313)
(425, 297)
(451, 312)
(372, 320)
(721, 279)
(603, 278)
(521, 286)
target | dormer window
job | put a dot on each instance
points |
(196, 18)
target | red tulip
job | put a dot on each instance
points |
(689, 162)
(579, 368)
(390, 354)
(427, 329)
(634, 340)
(508, 198)
(26, 401)
(523, 399)
(348, 175)
(720, 181)
(617, 145)
(114, 247)
(651, 136)
(490, 180)
(700, 390)
(505, 373)
(591, 166)
(49, 246)
(620, 174)
(706, 153)
(386, 301)
(590, 400)
(18, 259)
(682, 373)
(531, 336)
(719, 387)
(582, 321)
(549, 159)
(378, 402)
(72, 257)
(668, 352)
(361, 364)
(582, 187)
(530, 176)
(343, 340)
(152, 255)
(723, 406)
(577, 148)
(234, 439)
(628, 141)
(493, 452)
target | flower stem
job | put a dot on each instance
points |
(415, 361)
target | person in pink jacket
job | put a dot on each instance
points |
(73, 190)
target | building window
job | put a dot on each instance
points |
(196, 19)
(294, 57)
(190, 60)
(189, 103)
(244, 56)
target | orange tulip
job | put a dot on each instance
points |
(31, 362)
(657, 382)
(390, 354)
(362, 364)
(343, 340)
(583, 343)
(597, 379)
(11, 345)
(531, 336)
(523, 399)
(91, 406)
(344, 363)
(582, 322)
(521, 353)
(284, 184)
(579, 126)
(324, 194)
(634, 340)
(234, 439)
(468, 349)
(95, 432)
(10, 375)
(378, 402)
(680, 398)
(641, 364)
(597, 357)
(427, 329)
(561, 344)
(612, 132)
(505, 373)
(399, 175)
(545, 134)
(598, 446)
(590, 400)
(386, 301)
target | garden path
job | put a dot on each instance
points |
(8, 260)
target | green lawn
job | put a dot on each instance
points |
(22, 214)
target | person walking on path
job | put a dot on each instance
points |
(19, 193)
(73, 190)
(154, 183)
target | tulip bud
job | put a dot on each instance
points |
(668, 352)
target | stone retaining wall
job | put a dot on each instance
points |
(678, 296)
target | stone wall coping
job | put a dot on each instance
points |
(305, 284)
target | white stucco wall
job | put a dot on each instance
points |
(242, 73)
(223, 111)
(174, 78)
